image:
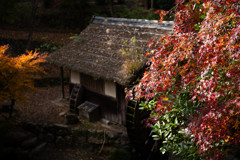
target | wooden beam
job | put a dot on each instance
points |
(62, 82)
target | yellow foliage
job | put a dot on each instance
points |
(3, 49)
(17, 74)
(165, 98)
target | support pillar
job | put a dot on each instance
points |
(62, 82)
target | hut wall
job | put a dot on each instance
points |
(108, 95)
(89, 82)
(110, 89)
(121, 104)
(75, 77)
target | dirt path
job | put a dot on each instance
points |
(42, 107)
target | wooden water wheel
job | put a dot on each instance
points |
(140, 136)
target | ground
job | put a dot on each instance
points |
(41, 106)
(44, 106)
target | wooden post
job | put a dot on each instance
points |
(34, 6)
(110, 4)
(62, 82)
(11, 108)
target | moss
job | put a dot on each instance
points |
(120, 154)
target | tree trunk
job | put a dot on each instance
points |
(31, 23)
(152, 4)
(110, 4)
(145, 3)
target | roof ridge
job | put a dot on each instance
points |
(133, 22)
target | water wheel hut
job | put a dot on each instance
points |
(98, 65)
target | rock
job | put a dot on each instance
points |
(124, 141)
(39, 128)
(91, 130)
(62, 132)
(60, 142)
(80, 140)
(21, 153)
(45, 128)
(72, 119)
(62, 114)
(50, 138)
(95, 132)
(117, 141)
(16, 137)
(45, 125)
(29, 142)
(95, 140)
(107, 122)
(100, 131)
(6, 152)
(113, 129)
(38, 149)
(41, 137)
(29, 126)
(89, 148)
(51, 128)
(68, 140)
(60, 126)
(111, 134)
(58, 129)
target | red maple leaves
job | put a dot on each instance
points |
(201, 57)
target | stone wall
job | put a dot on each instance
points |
(28, 140)
(78, 136)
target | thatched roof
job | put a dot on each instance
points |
(98, 49)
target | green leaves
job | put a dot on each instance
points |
(148, 105)
(171, 127)
(47, 47)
